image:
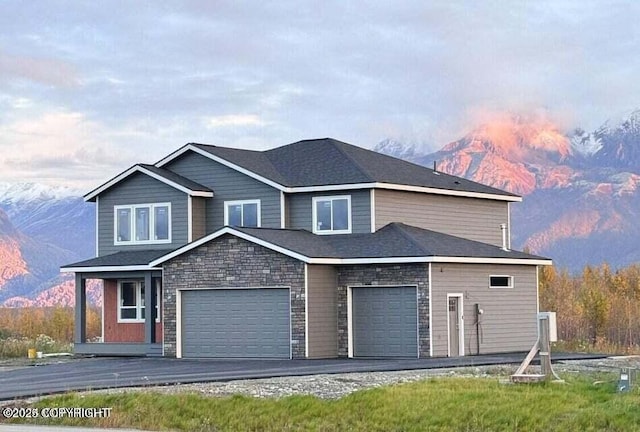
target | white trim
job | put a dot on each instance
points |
(372, 200)
(96, 269)
(97, 226)
(330, 198)
(179, 311)
(189, 219)
(283, 221)
(406, 188)
(349, 322)
(509, 225)
(430, 313)
(102, 313)
(538, 290)
(138, 306)
(178, 324)
(242, 204)
(221, 232)
(460, 320)
(139, 300)
(290, 327)
(350, 312)
(337, 187)
(306, 310)
(132, 223)
(334, 261)
(418, 344)
(137, 168)
(512, 282)
(218, 159)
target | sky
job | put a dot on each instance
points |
(88, 89)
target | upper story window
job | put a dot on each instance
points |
(242, 213)
(332, 214)
(142, 224)
(500, 281)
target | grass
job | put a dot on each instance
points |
(16, 347)
(450, 404)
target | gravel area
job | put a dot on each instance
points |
(335, 386)
(325, 386)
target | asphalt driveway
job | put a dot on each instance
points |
(100, 373)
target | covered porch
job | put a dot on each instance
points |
(131, 308)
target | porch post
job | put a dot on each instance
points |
(80, 335)
(150, 310)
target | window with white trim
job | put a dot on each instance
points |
(242, 213)
(500, 281)
(131, 307)
(142, 224)
(332, 214)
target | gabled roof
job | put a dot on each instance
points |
(394, 243)
(119, 261)
(328, 164)
(165, 176)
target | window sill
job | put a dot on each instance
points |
(332, 232)
(145, 242)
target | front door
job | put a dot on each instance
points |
(455, 325)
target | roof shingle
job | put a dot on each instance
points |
(326, 161)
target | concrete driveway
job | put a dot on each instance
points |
(101, 373)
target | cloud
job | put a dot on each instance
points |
(146, 77)
(47, 71)
(60, 148)
(235, 120)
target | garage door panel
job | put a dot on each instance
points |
(385, 321)
(236, 323)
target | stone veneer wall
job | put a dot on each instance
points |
(231, 262)
(384, 274)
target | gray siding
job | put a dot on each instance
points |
(322, 311)
(198, 214)
(471, 218)
(227, 185)
(300, 209)
(509, 320)
(141, 189)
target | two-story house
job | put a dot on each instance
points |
(315, 249)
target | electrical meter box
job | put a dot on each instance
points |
(553, 329)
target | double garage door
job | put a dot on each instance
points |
(236, 323)
(385, 321)
(255, 323)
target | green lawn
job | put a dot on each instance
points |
(456, 404)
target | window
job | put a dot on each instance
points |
(142, 224)
(500, 281)
(332, 215)
(131, 307)
(242, 213)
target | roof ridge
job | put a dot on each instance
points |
(338, 145)
(402, 228)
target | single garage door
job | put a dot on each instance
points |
(236, 323)
(385, 322)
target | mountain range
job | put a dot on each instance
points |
(581, 189)
(41, 228)
(581, 202)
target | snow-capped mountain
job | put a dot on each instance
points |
(582, 189)
(41, 228)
